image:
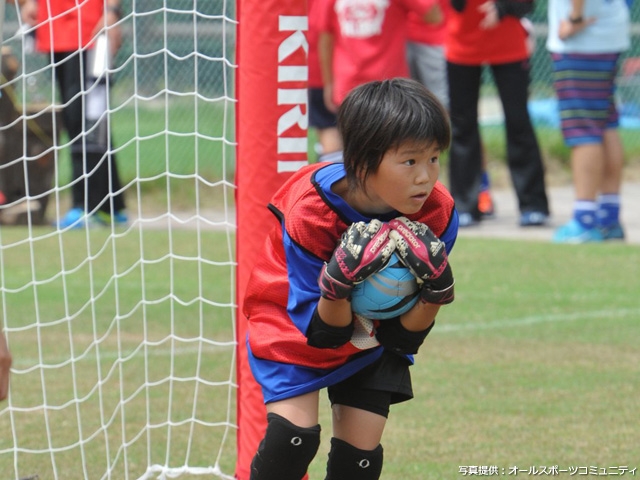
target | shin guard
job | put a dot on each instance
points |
(285, 451)
(347, 462)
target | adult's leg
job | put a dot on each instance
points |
(609, 199)
(104, 181)
(465, 154)
(613, 162)
(587, 167)
(93, 167)
(428, 65)
(585, 134)
(523, 152)
(68, 73)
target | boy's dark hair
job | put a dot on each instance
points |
(379, 116)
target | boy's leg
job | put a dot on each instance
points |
(356, 453)
(347, 462)
(291, 440)
(285, 451)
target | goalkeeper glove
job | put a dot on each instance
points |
(425, 255)
(364, 249)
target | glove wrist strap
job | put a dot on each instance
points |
(437, 297)
(333, 289)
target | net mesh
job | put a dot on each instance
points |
(123, 332)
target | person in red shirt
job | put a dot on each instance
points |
(488, 32)
(68, 30)
(428, 65)
(365, 40)
(321, 119)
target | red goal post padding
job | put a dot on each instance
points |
(271, 134)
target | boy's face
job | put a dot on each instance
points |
(404, 178)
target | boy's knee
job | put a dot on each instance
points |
(285, 451)
(347, 462)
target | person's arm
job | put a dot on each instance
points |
(458, 5)
(517, 8)
(325, 55)
(110, 19)
(495, 10)
(576, 21)
(28, 11)
(5, 365)
(434, 15)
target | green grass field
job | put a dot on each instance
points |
(123, 343)
(536, 364)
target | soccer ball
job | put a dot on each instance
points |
(386, 294)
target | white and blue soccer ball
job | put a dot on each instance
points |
(386, 294)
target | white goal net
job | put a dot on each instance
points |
(122, 332)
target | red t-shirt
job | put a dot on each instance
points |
(66, 25)
(468, 44)
(428, 33)
(369, 40)
(315, 74)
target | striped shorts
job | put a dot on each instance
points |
(585, 86)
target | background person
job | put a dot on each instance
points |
(68, 30)
(428, 65)
(480, 33)
(365, 40)
(323, 121)
(586, 38)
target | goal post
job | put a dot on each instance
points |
(272, 143)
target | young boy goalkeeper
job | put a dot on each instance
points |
(337, 224)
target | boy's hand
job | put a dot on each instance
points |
(364, 249)
(440, 290)
(425, 255)
(418, 248)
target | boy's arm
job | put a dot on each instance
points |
(425, 255)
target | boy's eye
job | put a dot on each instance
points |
(435, 159)
(410, 161)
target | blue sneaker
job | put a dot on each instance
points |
(612, 232)
(466, 220)
(573, 232)
(74, 218)
(119, 218)
(533, 219)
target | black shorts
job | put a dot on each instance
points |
(376, 387)
(319, 115)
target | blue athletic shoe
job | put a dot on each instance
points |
(573, 232)
(533, 219)
(612, 232)
(74, 218)
(466, 220)
(119, 218)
